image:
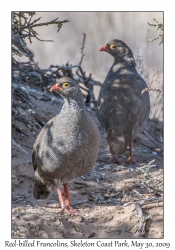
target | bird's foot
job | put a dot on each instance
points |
(115, 160)
(69, 209)
(65, 201)
(131, 160)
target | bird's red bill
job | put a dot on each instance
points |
(55, 87)
(104, 48)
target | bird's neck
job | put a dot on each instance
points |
(75, 103)
(125, 60)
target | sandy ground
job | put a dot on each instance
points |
(99, 196)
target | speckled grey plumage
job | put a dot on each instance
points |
(67, 147)
(122, 109)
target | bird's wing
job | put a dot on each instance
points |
(34, 150)
(121, 104)
(138, 106)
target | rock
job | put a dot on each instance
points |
(91, 235)
(92, 197)
(113, 195)
(80, 182)
(96, 165)
(30, 217)
(100, 198)
(130, 169)
(102, 176)
(145, 151)
(56, 235)
(19, 223)
(44, 235)
(106, 195)
(24, 230)
(84, 191)
(78, 186)
(14, 179)
(52, 218)
(107, 218)
(108, 201)
(102, 202)
(92, 220)
(119, 195)
(104, 158)
(66, 233)
(76, 219)
(34, 225)
(116, 169)
(109, 166)
(118, 189)
(119, 203)
(114, 199)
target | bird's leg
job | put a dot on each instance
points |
(66, 194)
(65, 200)
(115, 160)
(68, 206)
(61, 198)
(130, 158)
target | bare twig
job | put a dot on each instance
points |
(47, 23)
(148, 89)
(159, 27)
(18, 146)
(29, 90)
(142, 221)
(27, 76)
(145, 202)
(138, 193)
(153, 139)
(23, 27)
(153, 184)
(142, 218)
(82, 48)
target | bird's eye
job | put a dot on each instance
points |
(112, 46)
(66, 85)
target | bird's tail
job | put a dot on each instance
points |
(118, 143)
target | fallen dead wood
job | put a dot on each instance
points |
(144, 202)
(38, 94)
(18, 146)
(142, 217)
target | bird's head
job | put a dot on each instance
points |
(118, 49)
(66, 87)
(41, 190)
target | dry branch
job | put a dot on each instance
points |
(148, 89)
(154, 185)
(22, 27)
(38, 94)
(18, 146)
(82, 49)
(142, 218)
(142, 221)
(144, 202)
(159, 28)
(27, 76)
